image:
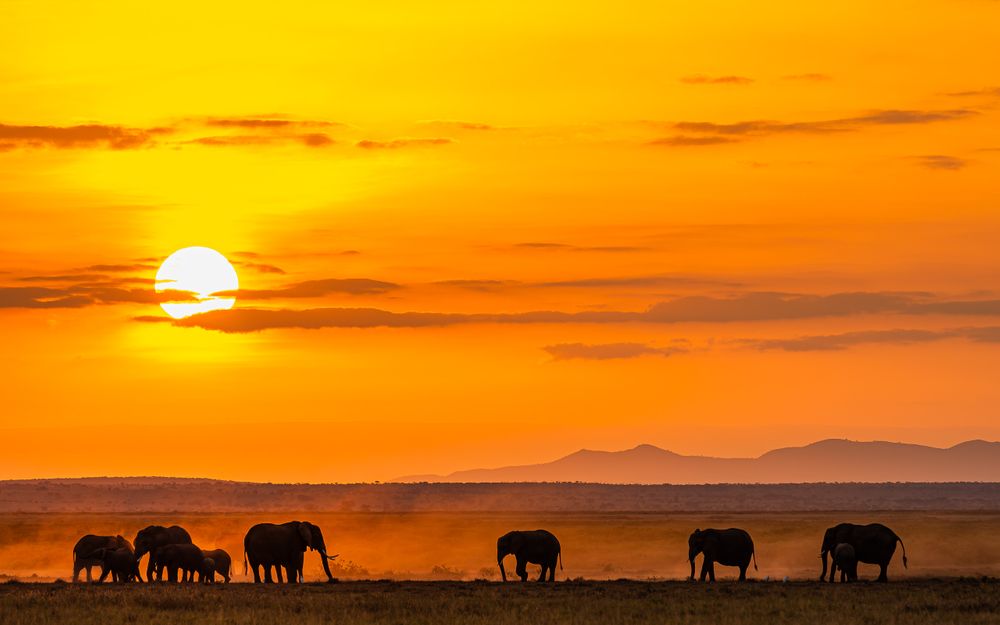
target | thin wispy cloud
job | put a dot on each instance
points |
(701, 79)
(941, 161)
(608, 351)
(80, 136)
(394, 144)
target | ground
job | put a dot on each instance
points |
(923, 602)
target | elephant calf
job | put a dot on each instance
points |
(121, 562)
(845, 559)
(207, 574)
(223, 563)
(189, 559)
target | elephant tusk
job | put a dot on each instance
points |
(333, 557)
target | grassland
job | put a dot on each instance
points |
(927, 602)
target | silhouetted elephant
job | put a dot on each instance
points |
(207, 573)
(90, 544)
(873, 544)
(187, 558)
(223, 563)
(149, 539)
(530, 547)
(846, 560)
(283, 546)
(121, 563)
(728, 547)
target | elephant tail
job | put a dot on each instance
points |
(904, 551)
(560, 560)
(245, 562)
(753, 554)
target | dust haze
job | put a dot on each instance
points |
(461, 546)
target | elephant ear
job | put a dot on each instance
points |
(305, 531)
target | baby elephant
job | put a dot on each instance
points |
(845, 559)
(121, 562)
(223, 563)
(207, 571)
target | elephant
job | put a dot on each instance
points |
(223, 563)
(873, 544)
(188, 558)
(728, 547)
(149, 539)
(530, 547)
(121, 563)
(207, 572)
(283, 546)
(846, 560)
(90, 544)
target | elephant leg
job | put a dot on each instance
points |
(149, 569)
(278, 574)
(743, 573)
(104, 575)
(267, 574)
(256, 573)
(291, 574)
(833, 569)
(552, 571)
(522, 569)
(76, 572)
(704, 570)
(882, 577)
(711, 571)
(89, 578)
(541, 576)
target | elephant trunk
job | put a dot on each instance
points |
(692, 567)
(326, 564)
(822, 575)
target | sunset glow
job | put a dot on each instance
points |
(478, 235)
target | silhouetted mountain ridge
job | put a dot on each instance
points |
(830, 460)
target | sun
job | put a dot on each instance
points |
(200, 272)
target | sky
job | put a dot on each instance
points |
(477, 234)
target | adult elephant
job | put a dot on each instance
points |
(283, 546)
(151, 538)
(873, 544)
(728, 547)
(530, 547)
(85, 549)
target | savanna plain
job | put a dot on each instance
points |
(440, 567)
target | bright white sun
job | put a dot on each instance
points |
(198, 272)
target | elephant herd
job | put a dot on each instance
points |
(282, 547)
(266, 546)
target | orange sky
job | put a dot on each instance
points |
(719, 229)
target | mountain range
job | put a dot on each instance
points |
(832, 460)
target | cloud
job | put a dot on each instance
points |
(40, 297)
(122, 268)
(81, 136)
(458, 125)
(260, 267)
(317, 288)
(988, 91)
(543, 245)
(941, 161)
(608, 351)
(371, 144)
(312, 140)
(809, 77)
(836, 342)
(266, 122)
(655, 281)
(758, 306)
(688, 140)
(700, 79)
(715, 133)
(80, 296)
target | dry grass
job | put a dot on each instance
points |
(927, 602)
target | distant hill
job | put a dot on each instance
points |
(825, 461)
